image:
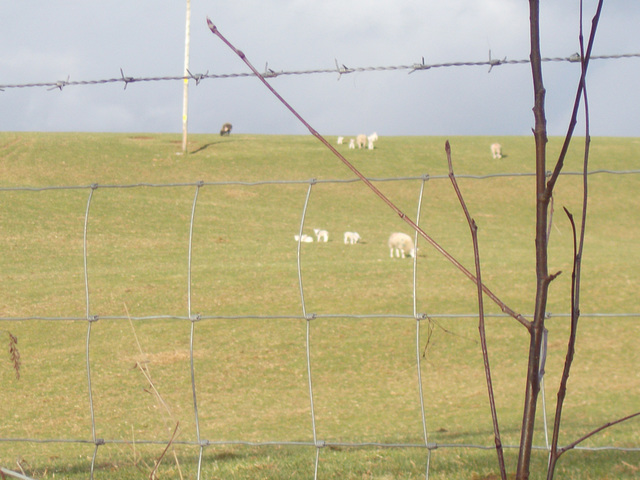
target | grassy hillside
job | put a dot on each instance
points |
(251, 373)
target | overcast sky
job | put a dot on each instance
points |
(44, 41)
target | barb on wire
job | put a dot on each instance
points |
(60, 84)
(342, 70)
(126, 80)
(495, 62)
(420, 66)
(268, 73)
(198, 76)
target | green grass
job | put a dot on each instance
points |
(251, 374)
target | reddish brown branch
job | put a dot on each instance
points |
(481, 325)
(370, 185)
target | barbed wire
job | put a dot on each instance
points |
(340, 69)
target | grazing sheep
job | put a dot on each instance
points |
(321, 235)
(340, 140)
(401, 244)
(361, 140)
(226, 129)
(496, 150)
(303, 238)
(352, 144)
(351, 238)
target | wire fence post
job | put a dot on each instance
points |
(185, 90)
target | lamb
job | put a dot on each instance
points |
(401, 244)
(340, 140)
(226, 129)
(496, 150)
(361, 140)
(352, 144)
(321, 235)
(373, 137)
(351, 238)
(303, 238)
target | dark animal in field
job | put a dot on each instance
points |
(226, 129)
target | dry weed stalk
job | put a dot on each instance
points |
(143, 366)
(152, 475)
(14, 353)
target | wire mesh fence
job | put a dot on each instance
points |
(292, 350)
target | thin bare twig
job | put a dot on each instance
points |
(578, 248)
(574, 444)
(152, 475)
(481, 327)
(369, 184)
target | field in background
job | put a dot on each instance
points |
(251, 373)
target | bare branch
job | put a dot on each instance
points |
(369, 184)
(574, 444)
(483, 337)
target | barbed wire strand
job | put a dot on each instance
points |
(270, 73)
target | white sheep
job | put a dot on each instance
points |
(373, 137)
(351, 238)
(496, 150)
(352, 144)
(340, 140)
(321, 235)
(361, 140)
(401, 244)
(303, 238)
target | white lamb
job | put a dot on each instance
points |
(496, 150)
(361, 140)
(351, 238)
(303, 238)
(340, 140)
(321, 235)
(373, 137)
(401, 244)
(352, 144)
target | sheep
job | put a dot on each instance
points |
(496, 150)
(401, 244)
(373, 137)
(303, 238)
(361, 140)
(226, 129)
(340, 140)
(321, 235)
(351, 238)
(352, 144)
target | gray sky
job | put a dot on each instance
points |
(43, 41)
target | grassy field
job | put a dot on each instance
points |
(251, 373)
